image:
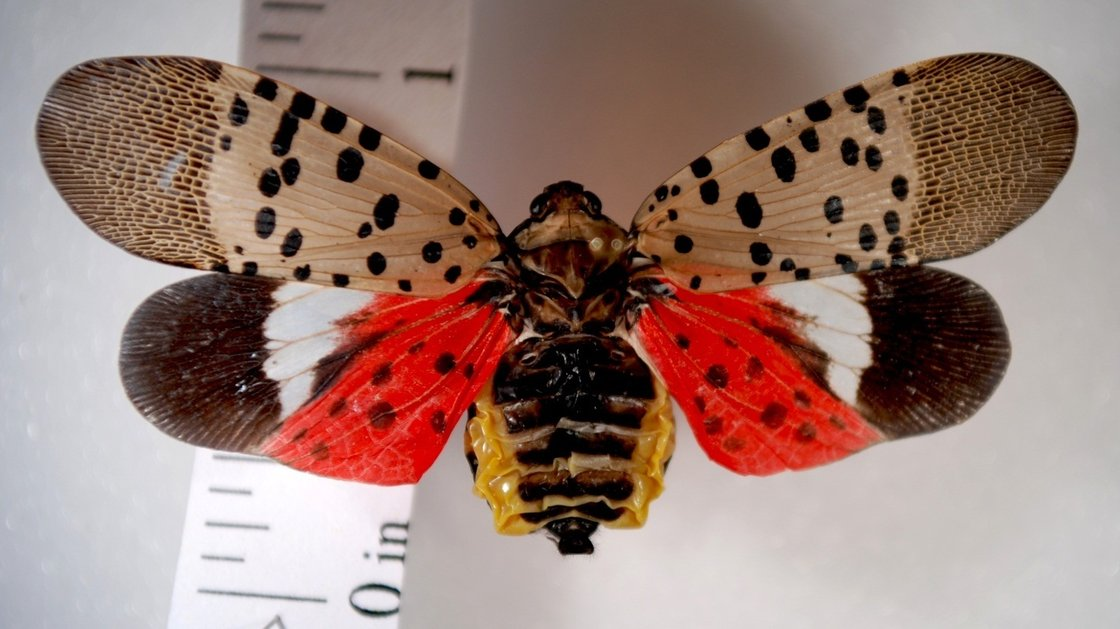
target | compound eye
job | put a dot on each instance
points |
(536, 208)
(593, 203)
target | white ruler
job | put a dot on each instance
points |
(265, 546)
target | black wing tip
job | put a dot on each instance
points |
(1047, 92)
(941, 350)
(1002, 132)
(192, 362)
(113, 164)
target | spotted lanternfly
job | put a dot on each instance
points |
(365, 299)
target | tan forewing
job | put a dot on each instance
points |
(930, 161)
(207, 165)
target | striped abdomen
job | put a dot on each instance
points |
(573, 431)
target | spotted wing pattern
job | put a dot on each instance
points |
(929, 161)
(794, 376)
(334, 381)
(207, 165)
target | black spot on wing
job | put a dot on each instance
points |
(269, 183)
(757, 138)
(810, 141)
(774, 415)
(382, 374)
(266, 222)
(238, 111)
(717, 376)
(265, 88)
(856, 95)
(876, 120)
(302, 105)
(369, 138)
(834, 209)
(709, 191)
(873, 157)
(749, 210)
(900, 187)
(385, 211)
(760, 253)
(847, 263)
(438, 422)
(285, 132)
(892, 222)
(701, 167)
(376, 263)
(333, 120)
(451, 275)
(849, 151)
(292, 243)
(382, 415)
(755, 368)
(785, 166)
(349, 167)
(898, 245)
(289, 170)
(818, 111)
(432, 252)
(445, 362)
(867, 237)
(428, 170)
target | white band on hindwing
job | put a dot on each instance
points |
(837, 323)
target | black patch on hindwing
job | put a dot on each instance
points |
(192, 361)
(939, 348)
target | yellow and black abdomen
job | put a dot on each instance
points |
(573, 431)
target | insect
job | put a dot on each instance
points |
(364, 300)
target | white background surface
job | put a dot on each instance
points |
(1010, 520)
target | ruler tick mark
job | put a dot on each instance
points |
(323, 71)
(237, 525)
(275, 597)
(277, 5)
(420, 73)
(222, 558)
(288, 38)
(241, 458)
(231, 490)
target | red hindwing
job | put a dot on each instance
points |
(389, 396)
(798, 375)
(748, 384)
